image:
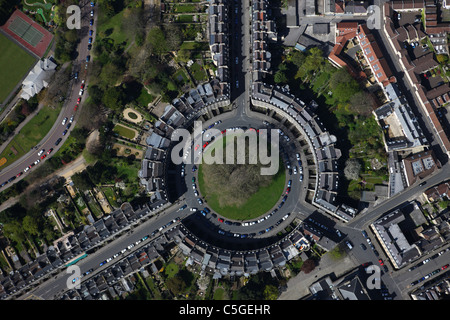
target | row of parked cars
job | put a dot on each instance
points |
(133, 244)
(428, 259)
(432, 273)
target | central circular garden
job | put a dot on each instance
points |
(239, 191)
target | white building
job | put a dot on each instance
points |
(38, 78)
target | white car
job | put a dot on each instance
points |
(37, 161)
(41, 152)
(26, 169)
(297, 155)
(64, 121)
(81, 92)
(71, 119)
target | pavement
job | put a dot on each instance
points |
(297, 287)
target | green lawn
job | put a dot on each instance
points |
(185, 18)
(259, 203)
(111, 196)
(15, 62)
(198, 72)
(182, 8)
(33, 132)
(144, 98)
(124, 131)
(171, 270)
(112, 28)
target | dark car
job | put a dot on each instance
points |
(64, 132)
(363, 246)
(58, 141)
(422, 184)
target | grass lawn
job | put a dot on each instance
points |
(124, 131)
(193, 45)
(185, 18)
(171, 270)
(144, 98)
(33, 132)
(14, 65)
(219, 294)
(257, 204)
(126, 170)
(181, 8)
(112, 28)
(111, 196)
(198, 72)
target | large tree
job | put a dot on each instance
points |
(352, 169)
(156, 41)
(308, 266)
(361, 103)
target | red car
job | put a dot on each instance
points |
(43, 156)
(287, 190)
(79, 99)
(75, 109)
(445, 267)
(220, 220)
(49, 151)
(381, 262)
(204, 146)
(196, 147)
(19, 174)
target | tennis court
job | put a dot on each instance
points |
(26, 31)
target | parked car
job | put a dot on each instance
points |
(349, 244)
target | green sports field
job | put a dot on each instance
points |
(15, 63)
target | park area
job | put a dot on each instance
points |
(239, 191)
(33, 132)
(15, 63)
